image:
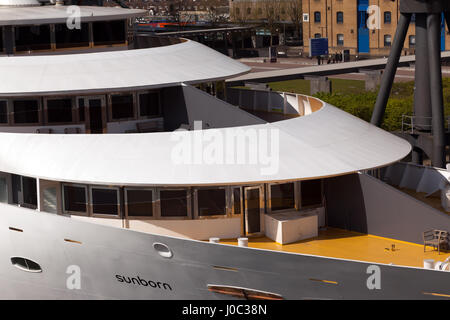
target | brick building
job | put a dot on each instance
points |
(344, 23)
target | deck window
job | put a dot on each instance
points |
(24, 191)
(211, 202)
(174, 203)
(81, 109)
(1, 39)
(311, 192)
(237, 202)
(109, 32)
(139, 202)
(29, 38)
(3, 111)
(59, 110)
(26, 111)
(122, 106)
(282, 196)
(75, 198)
(105, 201)
(71, 38)
(149, 104)
(3, 189)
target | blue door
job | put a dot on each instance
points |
(363, 31)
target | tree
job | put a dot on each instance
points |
(295, 12)
(272, 9)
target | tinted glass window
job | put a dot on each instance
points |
(3, 112)
(59, 110)
(29, 191)
(340, 17)
(75, 199)
(81, 109)
(282, 196)
(108, 33)
(237, 200)
(173, 203)
(26, 111)
(149, 104)
(122, 106)
(311, 191)
(105, 201)
(211, 202)
(69, 38)
(140, 203)
(317, 16)
(32, 38)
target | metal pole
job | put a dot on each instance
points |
(438, 158)
(390, 70)
(422, 95)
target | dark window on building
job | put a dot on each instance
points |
(3, 112)
(412, 41)
(237, 200)
(340, 39)
(282, 196)
(71, 38)
(311, 191)
(26, 111)
(317, 36)
(122, 106)
(340, 17)
(149, 104)
(29, 192)
(109, 33)
(211, 202)
(173, 203)
(105, 201)
(75, 199)
(81, 109)
(32, 38)
(59, 110)
(317, 16)
(140, 203)
(387, 40)
(249, 10)
(387, 17)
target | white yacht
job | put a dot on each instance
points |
(128, 171)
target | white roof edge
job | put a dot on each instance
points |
(343, 145)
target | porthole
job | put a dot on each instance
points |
(25, 264)
(163, 250)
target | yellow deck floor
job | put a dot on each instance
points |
(343, 244)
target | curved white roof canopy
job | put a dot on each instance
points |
(188, 62)
(327, 143)
(19, 12)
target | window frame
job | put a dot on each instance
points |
(138, 104)
(232, 208)
(297, 197)
(154, 203)
(340, 14)
(75, 213)
(189, 215)
(91, 202)
(385, 15)
(384, 41)
(90, 40)
(91, 35)
(312, 206)
(45, 110)
(338, 42)
(24, 52)
(317, 14)
(26, 124)
(109, 106)
(8, 118)
(216, 216)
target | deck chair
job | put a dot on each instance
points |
(436, 239)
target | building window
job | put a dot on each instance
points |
(317, 16)
(122, 106)
(387, 40)
(139, 202)
(75, 199)
(249, 10)
(211, 202)
(340, 39)
(29, 38)
(174, 203)
(412, 41)
(3, 111)
(71, 38)
(317, 35)
(311, 193)
(387, 17)
(109, 33)
(59, 110)
(26, 111)
(105, 201)
(149, 105)
(282, 196)
(340, 17)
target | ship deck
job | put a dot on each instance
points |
(350, 245)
